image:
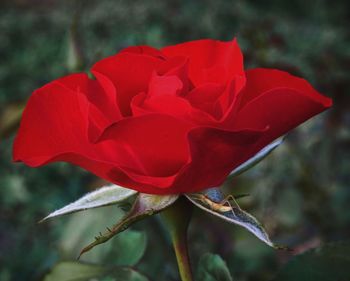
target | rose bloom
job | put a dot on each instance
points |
(174, 120)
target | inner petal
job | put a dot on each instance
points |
(130, 73)
(209, 60)
(204, 98)
(164, 85)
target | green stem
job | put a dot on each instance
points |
(177, 218)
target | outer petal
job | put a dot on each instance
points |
(279, 100)
(214, 154)
(262, 80)
(205, 156)
(157, 142)
(102, 109)
(54, 128)
(209, 60)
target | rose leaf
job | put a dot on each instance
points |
(70, 270)
(213, 202)
(328, 262)
(108, 195)
(213, 268)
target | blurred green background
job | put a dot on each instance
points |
(300, 193)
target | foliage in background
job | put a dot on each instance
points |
(300, 192)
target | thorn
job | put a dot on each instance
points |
(81, 253)
(43, 220)
(283, 248)
(108, 229)
(100, 233)
(239, 196)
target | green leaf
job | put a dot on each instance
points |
(327, 263)
(104, 196)
(10, 117)
(213, 268)
(145, 205)
(76, 271)
(129, 247)
(213, 197)
(263, 153)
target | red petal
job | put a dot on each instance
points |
(220, 101)
(209, 60)
(54, 128)
(177, 66)
(177, 157)
(144, 50)
(130, 74)
(261, 80)
(214, 153)
(278, 100)
(172, 105)
(103, 109)
(157, 142)
(205, 98)
(164, 85)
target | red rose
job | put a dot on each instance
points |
(174, 120)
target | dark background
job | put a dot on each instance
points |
(300, 193)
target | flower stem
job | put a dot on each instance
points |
(177, 218)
